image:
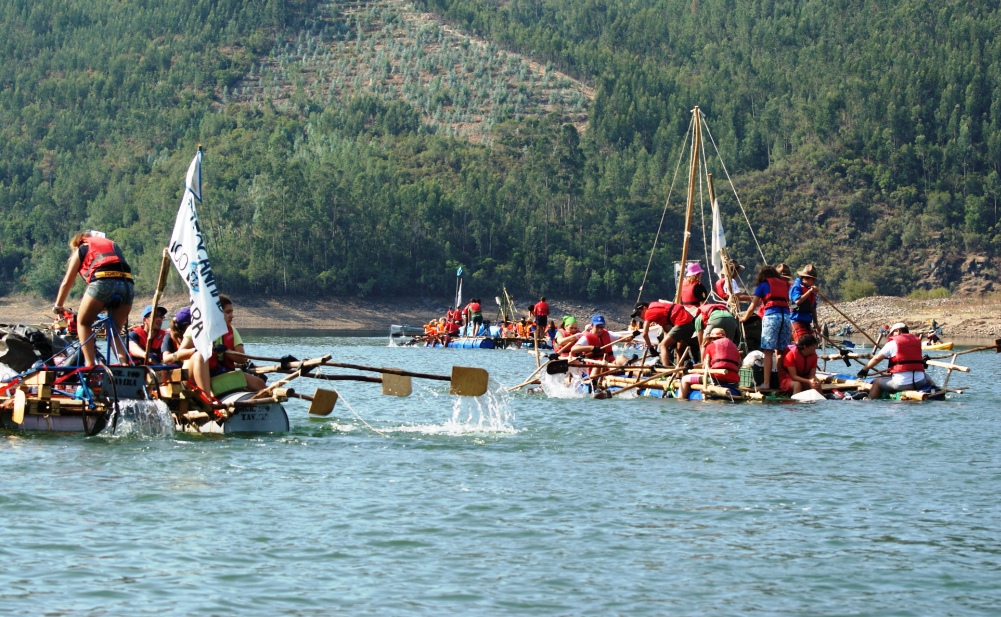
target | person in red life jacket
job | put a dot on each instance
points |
(204, 369)
(101, 264)
(474, 317)
(798, 368)
(772, 294)
(138, 336)
(907, 369)
(678, 325)
(568, 337)
(715, 315)
(597, 344)
(693, 292)
(170, 349)
(803, 298)
(719, 353)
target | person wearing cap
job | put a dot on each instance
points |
(170, 349)
(798, 368)
(664, 314)
(719, 353)
(907, 369)
(803, 301)
(772, 294)
(152, 325)
(693, 292)
(596, 344)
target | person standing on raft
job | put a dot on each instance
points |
(803, 301)
(101, 264)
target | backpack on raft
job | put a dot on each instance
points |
(21, 346)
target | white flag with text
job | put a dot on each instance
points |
(187, 251)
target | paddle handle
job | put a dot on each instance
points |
(834, 306)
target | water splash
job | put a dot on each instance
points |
(490, 413)
(141, 420)
(558, 386)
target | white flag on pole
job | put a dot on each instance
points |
(187, 251)
(719, 240)
(458, 296)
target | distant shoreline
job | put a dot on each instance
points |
(968, 319)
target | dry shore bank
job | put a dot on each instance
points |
(968, 317)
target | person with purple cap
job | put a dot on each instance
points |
(170, 350)
(151, 326)
(693, 292)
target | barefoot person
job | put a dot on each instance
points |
(101, 264)
(203, 370)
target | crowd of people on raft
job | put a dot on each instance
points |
(468, 321)
(708, 330)
(110, 290)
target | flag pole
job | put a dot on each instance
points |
(160, 284)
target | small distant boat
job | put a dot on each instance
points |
(936, 346)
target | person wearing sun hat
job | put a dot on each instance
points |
(803, 302)
(907, 370)
(693, 292)
(152, 325)
(719, 353)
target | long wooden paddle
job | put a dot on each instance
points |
(465, 381)
(996, 347)
(648, 379)
(838, 311)
(160, 284)
(321, 402)
(531, 377)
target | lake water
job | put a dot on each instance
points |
(516, 505)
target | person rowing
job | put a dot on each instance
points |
(597, 344)
(719, 353)
(664, 314)
(907, 368)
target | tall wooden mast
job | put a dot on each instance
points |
(692, 180)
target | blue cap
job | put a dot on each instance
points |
(160, 310)
(598, 320)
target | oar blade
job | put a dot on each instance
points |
(20, 402)
(396, 385)
(323, 402)
(558, 367)
(468, 381)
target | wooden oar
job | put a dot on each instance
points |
(996, 347)
(531, 377)
(160, 284)
(465, 381)
(648, 379)
(321, 402)
(834, 306)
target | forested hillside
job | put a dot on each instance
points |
(368, 148)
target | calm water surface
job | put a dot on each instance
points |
(517, 505)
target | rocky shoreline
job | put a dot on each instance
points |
(975, 317)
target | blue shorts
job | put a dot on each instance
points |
(110, 290)
(776, 332)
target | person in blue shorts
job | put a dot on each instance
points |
(772, 294)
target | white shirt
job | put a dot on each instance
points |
(905, 378)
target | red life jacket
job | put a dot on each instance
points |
(667, 314)
(223, 359)
(688, 297)
(100, 254)
(599, 340)
(723, 354)
(778, 293)
(720, 288)
(802, 363)
(908, 357)
(708, 309)
(143, 337)
(808, 306)
(474, 309)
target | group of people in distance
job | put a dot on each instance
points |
(536, 325)
(110, 289)
(778, 327)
